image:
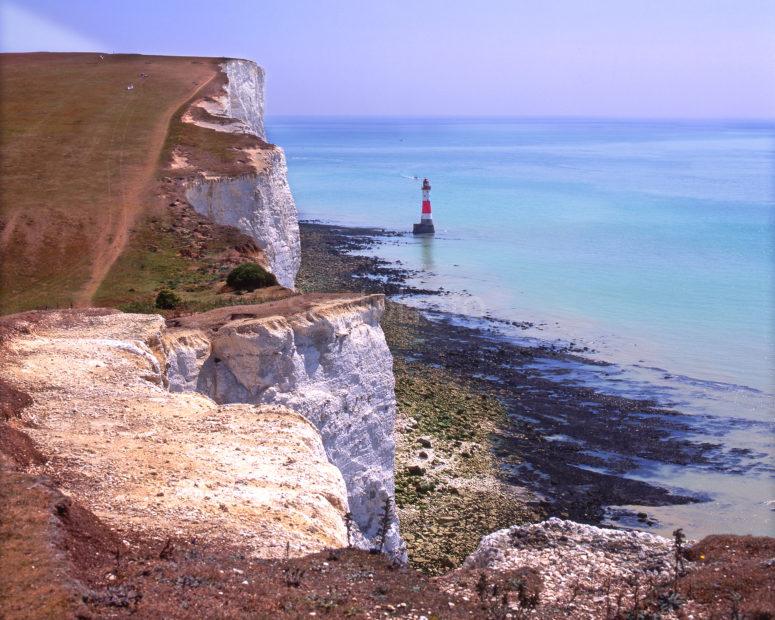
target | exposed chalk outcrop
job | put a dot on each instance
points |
(185, 352)
(245, 94)
(168, 464)
(239, 108)
(330, 362)
(259, 204)
(583, 569)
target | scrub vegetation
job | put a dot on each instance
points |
(249, 277)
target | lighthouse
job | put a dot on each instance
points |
(425, 227)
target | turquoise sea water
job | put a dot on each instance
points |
(650, 242)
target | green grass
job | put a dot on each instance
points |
(74, 151)
(150, 262)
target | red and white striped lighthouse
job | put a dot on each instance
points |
(425, 227)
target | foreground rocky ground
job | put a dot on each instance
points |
(60, 561)
(563, 569)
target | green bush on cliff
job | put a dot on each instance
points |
(249, 276)
(167, 300)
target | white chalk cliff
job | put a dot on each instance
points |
(259, 204)
(265, 422)
(327, 360)
(168, 464)
(245, 94)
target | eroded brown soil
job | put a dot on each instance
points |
(60, 561)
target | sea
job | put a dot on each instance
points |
(650, 243)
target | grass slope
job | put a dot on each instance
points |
(79, 157)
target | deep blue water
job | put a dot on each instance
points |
(650, 242)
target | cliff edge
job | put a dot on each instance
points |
(144, 459)
(324, 356)
(254, 198)
(267, 422)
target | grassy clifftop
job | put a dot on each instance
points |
(84, 210)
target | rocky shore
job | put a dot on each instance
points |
(487, 447)
(473, 406)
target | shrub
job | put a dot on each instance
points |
(167, 300)
(249, 276)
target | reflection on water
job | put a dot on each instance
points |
(426, 252)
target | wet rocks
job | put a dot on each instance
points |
(437, 488)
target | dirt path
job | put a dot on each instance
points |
(114, 232)
(8, 228)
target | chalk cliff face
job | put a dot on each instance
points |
(185, 352)
(331, 363)
(169, 464)
(260, 204)
(245, 94)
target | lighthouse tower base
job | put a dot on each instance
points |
(425, 227)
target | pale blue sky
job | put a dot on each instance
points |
(615, 58)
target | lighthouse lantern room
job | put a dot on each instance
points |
(425, 227)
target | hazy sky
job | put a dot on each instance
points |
(623, 58)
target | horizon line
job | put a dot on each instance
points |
(579, 117)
